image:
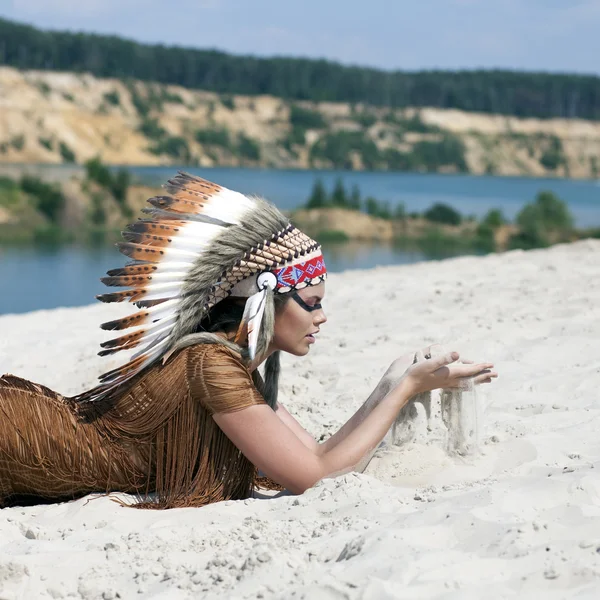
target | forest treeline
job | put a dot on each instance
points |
(520, 94)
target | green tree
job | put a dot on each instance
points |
(339, 196)
(151, 129)
(96, 171)
(381, 210)
(355, 201)
(400, 211)
(228, 102)
(541, 222)
(318, 196)
(552, 212)
(113, 98)
(248, 148)
(217, 136)
(48, 198)
(303, 118)
(553, 157)
(67, 154)
(174, 146)
(337, 148)
(494, 218)
(116, 184)
(448, 152)
(484, 238)
(442, 213)
(372, 206)
(118, 188)
(384, 211)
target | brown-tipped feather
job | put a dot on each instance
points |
(156, 227)
(198, 196)
(115, 350)
(137, 318)
(124, 339)
(118, 296)
(195, 185)
(124, 370)
(149, 303)
(139, 252)
(179, 205)
(146, 239)
(127, 280)
(132, 270)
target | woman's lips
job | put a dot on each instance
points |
(311, 338)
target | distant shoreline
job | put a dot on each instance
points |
(64, 171)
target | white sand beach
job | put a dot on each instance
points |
(519, 520)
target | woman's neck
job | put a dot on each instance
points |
(258, 360)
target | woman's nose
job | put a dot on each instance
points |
(320, 317)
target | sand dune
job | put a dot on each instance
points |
(520, 520)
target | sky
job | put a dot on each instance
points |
(531, 35)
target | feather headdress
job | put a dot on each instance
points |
(200, 244)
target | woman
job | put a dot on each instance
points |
(224, 283)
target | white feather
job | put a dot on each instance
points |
(164, 294)
(203, 232)
(253, 314)
(228, 206)
(154, 346)
(163, 276)
(163, 310)
(171, 267)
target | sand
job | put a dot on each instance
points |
(521, 519)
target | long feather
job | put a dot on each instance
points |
(143, 280)
(148, 315)
(251, 320)
(149, 253)
(145, 334)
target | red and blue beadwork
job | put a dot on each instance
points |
(301, 274)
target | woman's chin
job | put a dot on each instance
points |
(302, 349)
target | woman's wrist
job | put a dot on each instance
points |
(404, 390)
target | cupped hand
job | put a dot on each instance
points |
(443, 371)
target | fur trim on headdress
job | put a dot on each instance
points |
(196, 247)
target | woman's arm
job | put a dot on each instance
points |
(280, 454)
(273, 447)
(387, 382)
(306, 438)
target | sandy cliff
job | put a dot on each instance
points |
(48, 117)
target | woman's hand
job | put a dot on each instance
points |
(440, 372)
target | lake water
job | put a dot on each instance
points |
(36, 278)
(470, 195)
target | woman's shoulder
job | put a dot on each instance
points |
(217, 375)
(213, 354)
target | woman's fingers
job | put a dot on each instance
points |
(444, 359)
(485, 377)
(463, 370)
(432, 351)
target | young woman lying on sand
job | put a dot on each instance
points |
(224, 283)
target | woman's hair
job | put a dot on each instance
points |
(225, 317)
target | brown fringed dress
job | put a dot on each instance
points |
(158, 437)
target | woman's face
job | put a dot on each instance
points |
(296, 327)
